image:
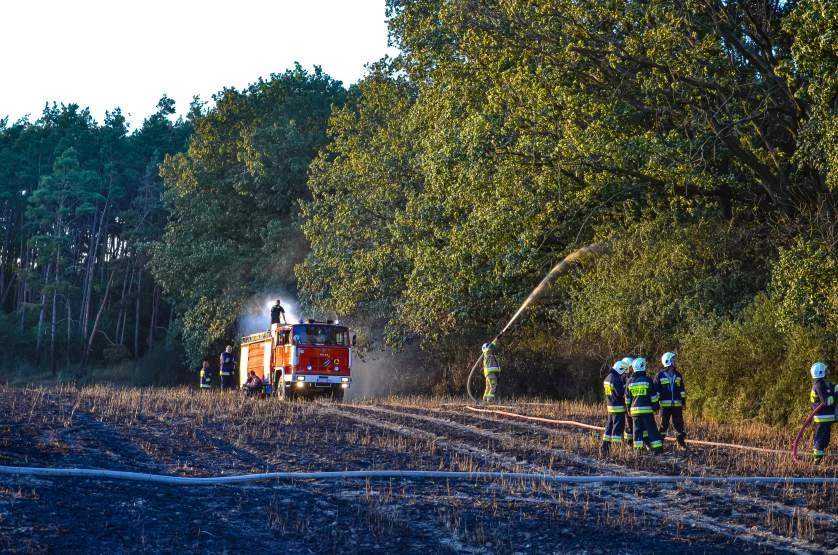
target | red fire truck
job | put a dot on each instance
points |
(308, 358)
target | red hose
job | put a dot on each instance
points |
(803, 427)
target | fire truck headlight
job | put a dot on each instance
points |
(301, 378)
(344, 380)
(300, 385)
(308, 367)
(344, 385)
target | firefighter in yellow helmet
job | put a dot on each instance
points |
(491, 369)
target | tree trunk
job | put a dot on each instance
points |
(41, 315)
(90, 268)
(53, 330)
(123, 313)
(85, 357)
(137, 314)
(69, 334)
(155, 301)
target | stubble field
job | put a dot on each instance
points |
(187, 433)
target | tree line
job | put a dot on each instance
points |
(80, 203)
(421, 204)
(697, 137)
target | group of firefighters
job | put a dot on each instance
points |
(227, 364)
(227, 371)
(629, 391)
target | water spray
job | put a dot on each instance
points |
(558, 269)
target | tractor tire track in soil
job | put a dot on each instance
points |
(188, 433)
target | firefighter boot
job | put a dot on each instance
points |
(603, 449)
(681, 438)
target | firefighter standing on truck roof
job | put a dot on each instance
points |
(616, 403)
(278, 314)
(491, 369)
(642, 399)
(205, 376)
(226, 368)
(822, 392)
(673, 398)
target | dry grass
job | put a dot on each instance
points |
(199, 433)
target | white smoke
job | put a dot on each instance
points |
(256, 315)
(381, 373)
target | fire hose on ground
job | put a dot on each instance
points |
(95, 473)
(600, 428)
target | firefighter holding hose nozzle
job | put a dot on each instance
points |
(491, 369)
(823, 394)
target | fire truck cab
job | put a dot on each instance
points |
(309, 358)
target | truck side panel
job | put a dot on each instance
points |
(245, 356)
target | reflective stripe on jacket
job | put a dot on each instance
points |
(670, 386)
(490, 364)
(641, 394)
(614, 392)
(823, 392)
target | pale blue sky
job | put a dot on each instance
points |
(102, 54)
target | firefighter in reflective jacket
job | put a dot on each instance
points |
(226, 365)
(206, 377)
(491, 369)
(673, 398)
(642, 399)
(822, 392)
(616, 405)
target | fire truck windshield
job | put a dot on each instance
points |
(321, 334)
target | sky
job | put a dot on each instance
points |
(103, 54)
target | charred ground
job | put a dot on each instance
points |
(183, 432)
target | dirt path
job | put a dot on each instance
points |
(188, 434)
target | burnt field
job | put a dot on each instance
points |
(186, 433)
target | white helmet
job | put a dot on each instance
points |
(487, 347)
(818, 370)
(668, 359)
(628, 361)
(620, 366)
(639, 364)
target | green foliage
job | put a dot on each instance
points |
(748, 367)
(77, 201)
(233, 195)
(662, 275)
(804, 282)
(693, 136)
